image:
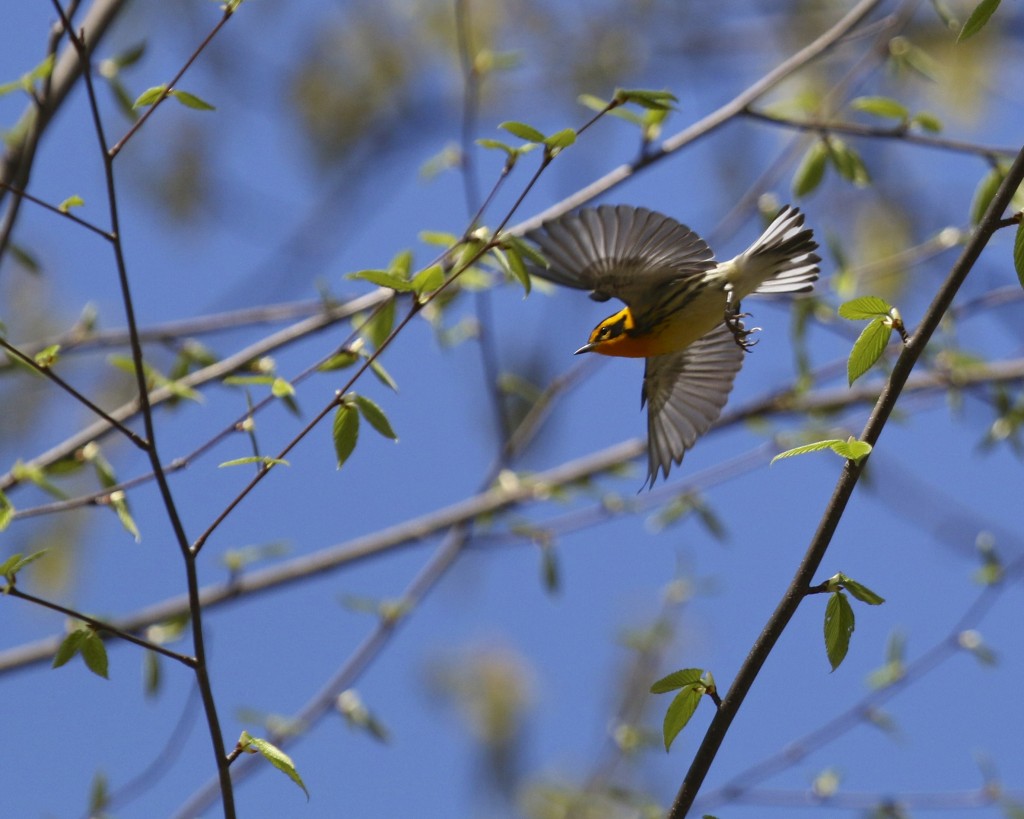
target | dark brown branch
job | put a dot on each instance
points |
(843, 491)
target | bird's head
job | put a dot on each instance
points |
(614, 336)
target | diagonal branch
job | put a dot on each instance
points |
(841, 495)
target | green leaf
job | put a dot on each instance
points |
(375, 416)
(25, 258)
(523, 131)
(985, 192)
(680, 711)
(339, 361)
(852, 449)
(817, 446)
(657, 100)
(69, 647)
(811, 170)
(518, 268)
(191, 101)
(861, 592)
(149, 96)
(677, 679)
(560, 140)
(428, 280)
(74, 201)
(885, 107)
(94, 652)
(15, 563)
(119, 503)
(927, 122)
(592, 102)
(401, 264)
(275, 756)
(383, 278)
(868, 348)
(495, 144)
(265, 460)
(1018, 252)
(26, 82)
(978, 18)
(281, 388)
(839, 623)
(47, 357)
(865, 307)
(438, 238)
(378, 328)
(848, 162)
(383, 375)
(345, 432)
(152, 675)
(6, 511)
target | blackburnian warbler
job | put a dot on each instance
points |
(682, 310)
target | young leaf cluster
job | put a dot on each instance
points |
(86, 642)
(839, 617)
(692, 684)
(882, 319)
(823, 152)
(345, 429)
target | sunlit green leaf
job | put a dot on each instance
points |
(885, 107)
(852, 449)
(646, 98)
(978, 18)
(94, 652)
(383, 278)
(149, 96)
(47, 357)
(275, 756)
(345, 432)
(522, 130)
(868, 348)
(848, 162)
(861, 592)
(677, 679)
(560, 140)
(680, 711)
(839, 624)
(428, 280)
(811, 169)
(73, 201)
(927, 122)
(264, 460)
(6, 511)
(192, 101)
(817, 446)
(375, 416)
(119, 503)
(378, 327)
(865, 307)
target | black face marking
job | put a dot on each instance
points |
(614, 330)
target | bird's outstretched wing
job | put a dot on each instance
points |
(685, 393)
(620, 251)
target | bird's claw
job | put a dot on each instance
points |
(734, 321)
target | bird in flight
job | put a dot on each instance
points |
(682, 312)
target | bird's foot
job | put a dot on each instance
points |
(734, 321)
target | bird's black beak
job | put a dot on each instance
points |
(586, 348)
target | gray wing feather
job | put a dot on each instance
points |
(619, 251)
(685, 393)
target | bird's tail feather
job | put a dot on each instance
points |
(784, 258)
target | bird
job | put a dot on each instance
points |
(682, 308)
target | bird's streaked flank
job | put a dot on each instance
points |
(682, 310)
